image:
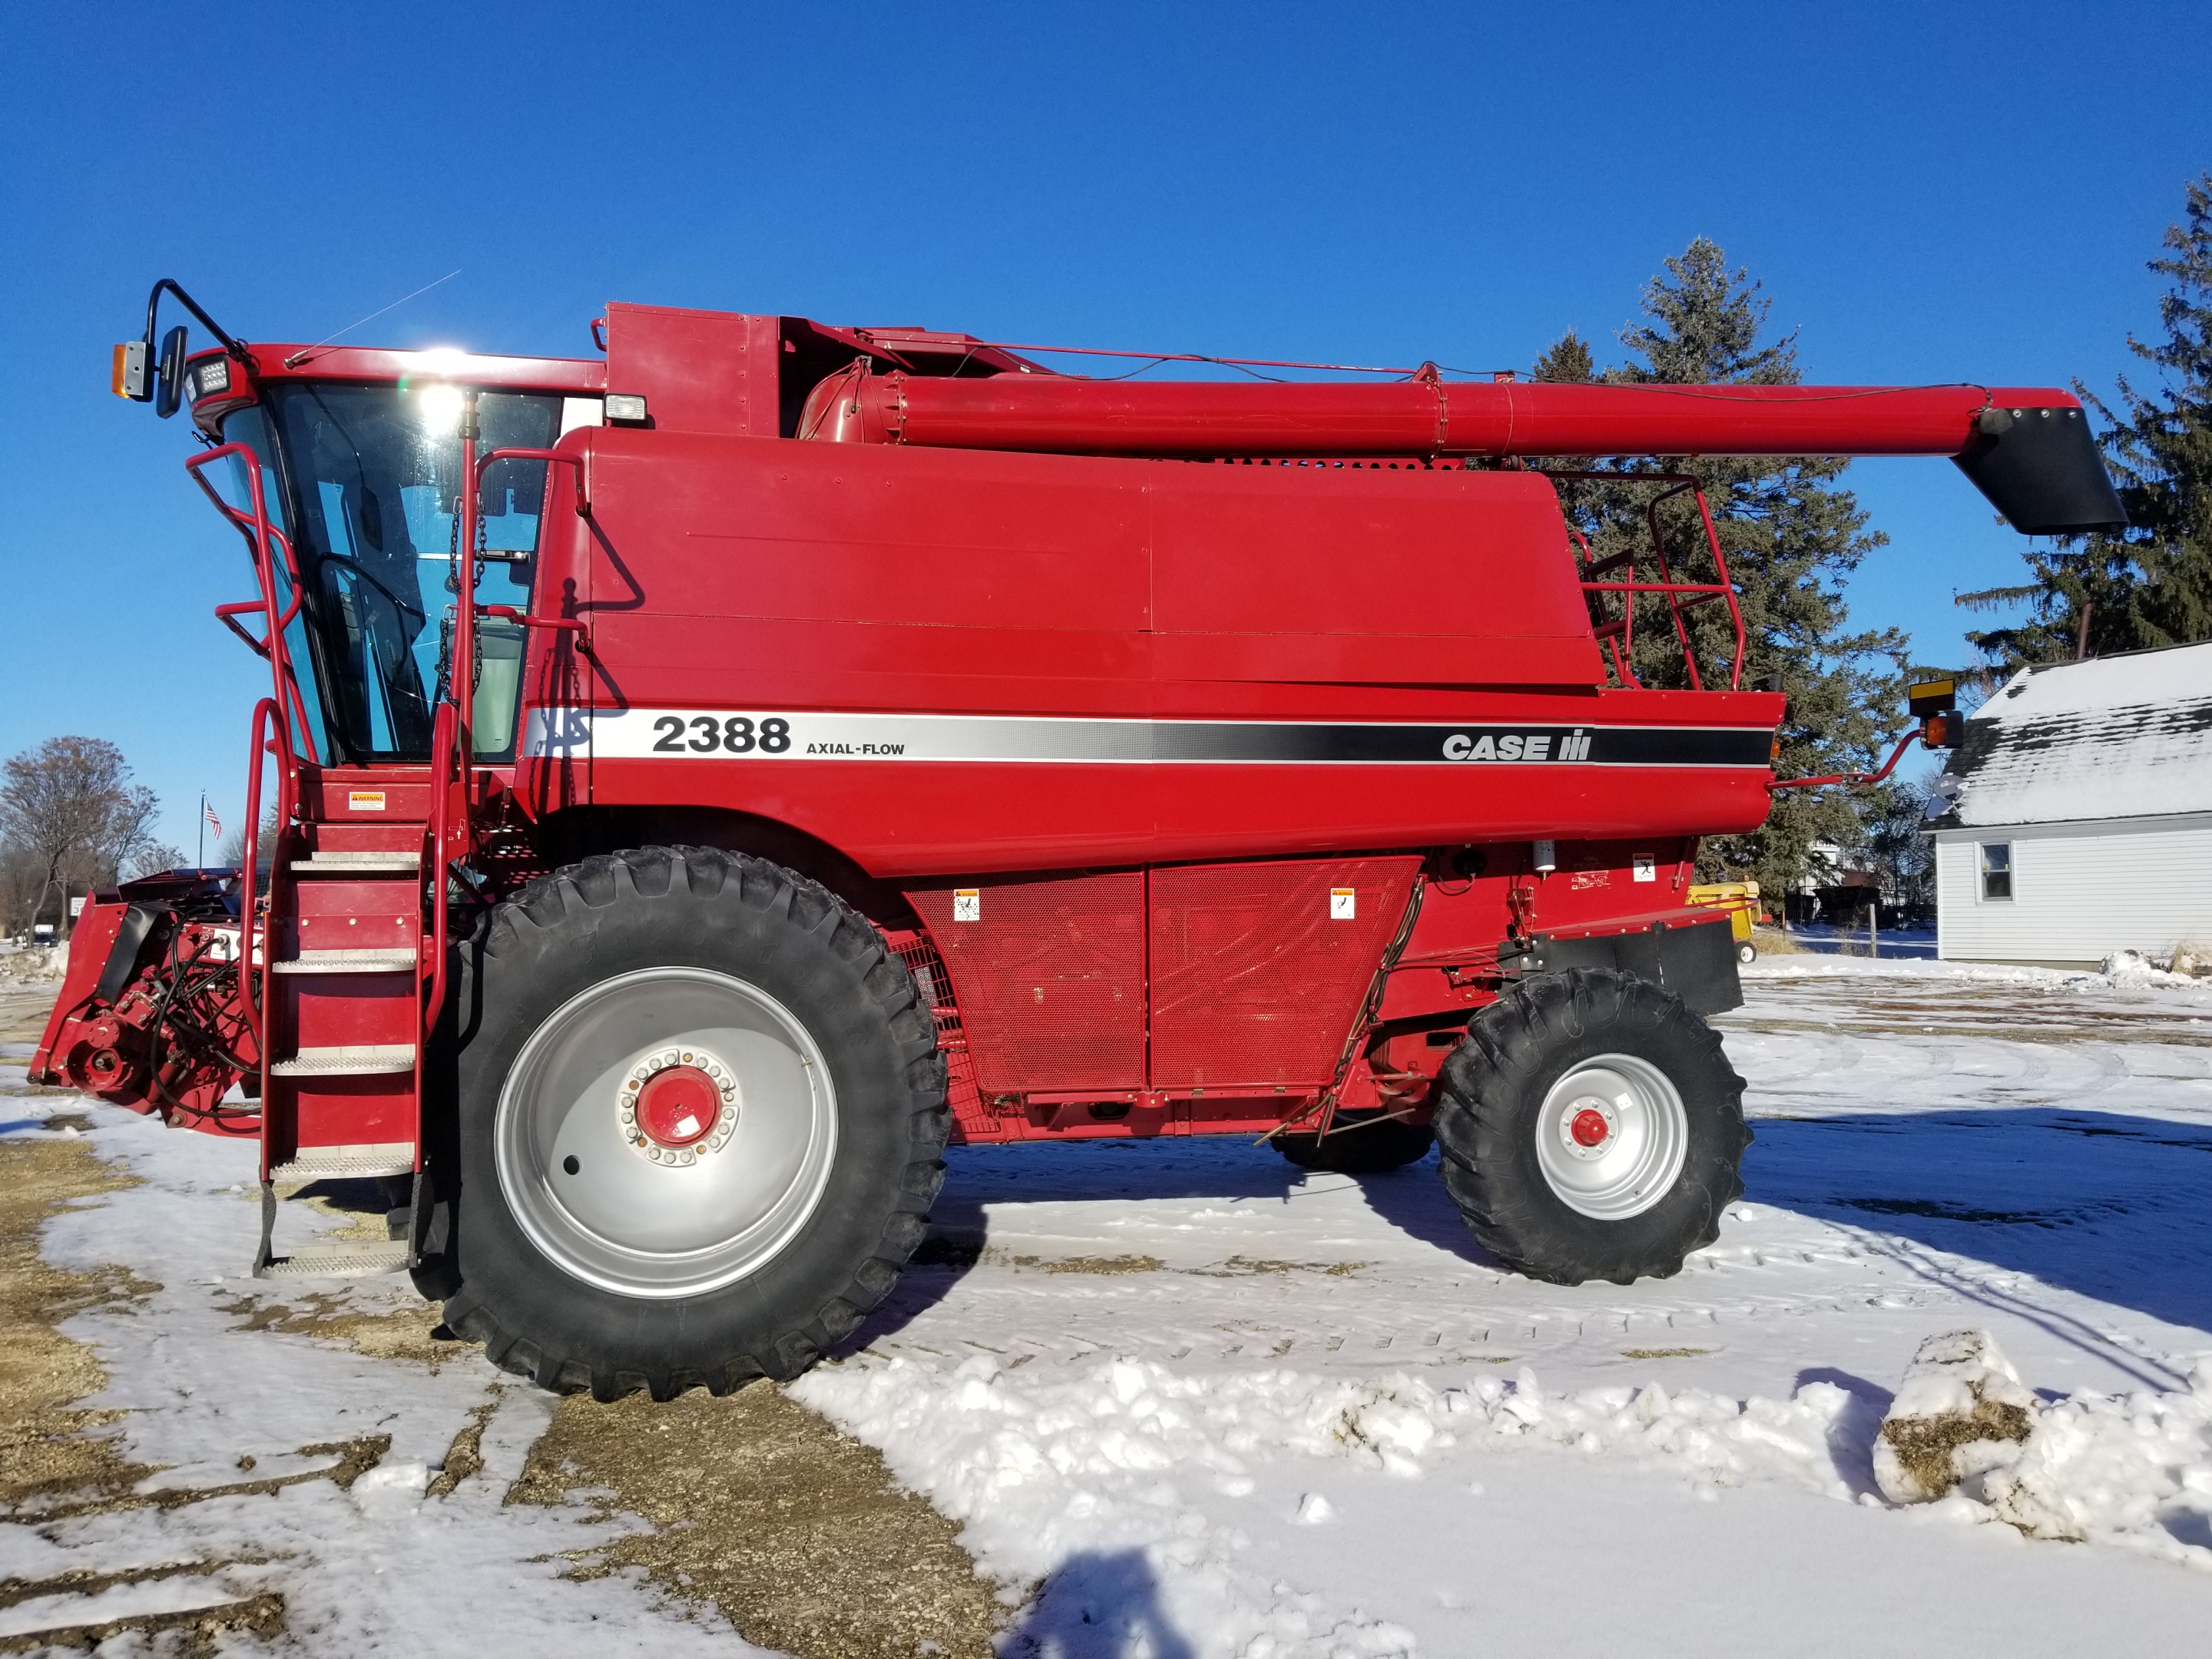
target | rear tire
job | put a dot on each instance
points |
(1746, 952)
(1592, 1128)
(585, 1254)
(1354, 1147)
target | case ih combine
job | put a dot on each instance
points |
(710, 777)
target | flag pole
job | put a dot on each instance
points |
(201, 863)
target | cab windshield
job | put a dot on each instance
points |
(370, 482)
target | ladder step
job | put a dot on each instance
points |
(389, 1158)
(353, 1060)
(392, 960)
(353, 1258)
(349, 864)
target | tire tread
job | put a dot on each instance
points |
(1510, 1049)
(652, 873)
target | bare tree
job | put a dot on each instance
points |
(21, 880)
(153, 858)
(232, 853)
(1901, 857)
(69, 811)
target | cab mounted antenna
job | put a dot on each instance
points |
(301, 356)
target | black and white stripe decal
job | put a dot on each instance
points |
(726, 734)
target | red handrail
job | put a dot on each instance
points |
(262, 538)
(443, 749)
(1619, 635)
(451, 739)
(576, 458)
(269, 718)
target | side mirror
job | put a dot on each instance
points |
(169, 390)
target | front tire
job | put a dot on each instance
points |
(700, 1109)
(1592, 1128)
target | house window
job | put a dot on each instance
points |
(1997, 870)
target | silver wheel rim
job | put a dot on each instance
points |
(1638, 1159)
(627, 1223)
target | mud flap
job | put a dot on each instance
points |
(1695, 961)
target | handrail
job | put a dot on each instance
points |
(552, 456)
(443, 749)
(452, 741)
(1619, 635)
(1727, 586)
(269, 717)
(262, 538)
(581, 628)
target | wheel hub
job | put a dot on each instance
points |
(673, 1100)
(665, 1132)
(1590, 1129)
(1612, 1136)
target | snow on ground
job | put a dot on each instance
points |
(1228, 1409)
(33, 964)
(1218, 1406)
(379, 1567)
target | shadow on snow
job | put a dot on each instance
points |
(2107, 1205)
(1096, 1605)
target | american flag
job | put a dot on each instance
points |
(213, 822)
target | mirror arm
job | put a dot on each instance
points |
(234, 348)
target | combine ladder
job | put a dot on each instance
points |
(347, 964)
(342, 1075)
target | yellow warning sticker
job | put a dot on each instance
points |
(967, 904)
(1343, 904)
(364, 800)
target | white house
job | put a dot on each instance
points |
(2076, 819)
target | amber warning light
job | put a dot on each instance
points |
(130, 371)
(1935, 704)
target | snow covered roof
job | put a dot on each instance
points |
(2113, 738)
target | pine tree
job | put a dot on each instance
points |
(1790, 537)
(2151, 584)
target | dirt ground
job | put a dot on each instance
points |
(49, 1449)
(23, 1009)
(811, 1549)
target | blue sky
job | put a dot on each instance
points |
(1928, 193)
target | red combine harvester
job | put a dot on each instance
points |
(872, 738)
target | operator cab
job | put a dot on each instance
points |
(363, 478)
